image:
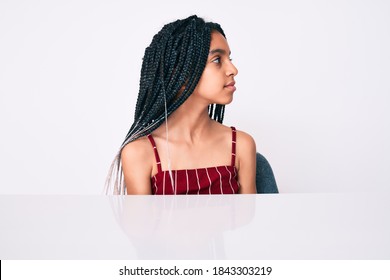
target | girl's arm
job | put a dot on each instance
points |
(136, 170)
(246, 162)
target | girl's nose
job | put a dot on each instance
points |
(231, 70)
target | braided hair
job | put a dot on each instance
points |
(172, 66)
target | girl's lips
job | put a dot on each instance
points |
(231, 86)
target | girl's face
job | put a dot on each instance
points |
(216, 85)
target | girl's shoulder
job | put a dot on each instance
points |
(242, 137)
(135, 145)
(245, 139)
(245, 149)
(245, 144)
(137, 151)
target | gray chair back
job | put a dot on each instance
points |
(265, 180)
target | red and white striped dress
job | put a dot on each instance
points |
(209, 180)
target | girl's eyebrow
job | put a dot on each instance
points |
(220, 51)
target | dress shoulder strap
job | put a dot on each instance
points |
(158, 161)
(233, 146)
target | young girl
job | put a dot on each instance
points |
(177, 143)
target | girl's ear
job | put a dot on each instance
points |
(181, 90)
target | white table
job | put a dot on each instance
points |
(279, 226)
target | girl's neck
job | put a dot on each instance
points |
(190, 122)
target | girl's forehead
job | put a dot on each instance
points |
(218, 42)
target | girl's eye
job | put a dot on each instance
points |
(217, 60)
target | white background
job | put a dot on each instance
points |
(313, 88)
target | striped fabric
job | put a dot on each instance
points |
(209, 180)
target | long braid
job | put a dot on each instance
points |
(175, 59)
